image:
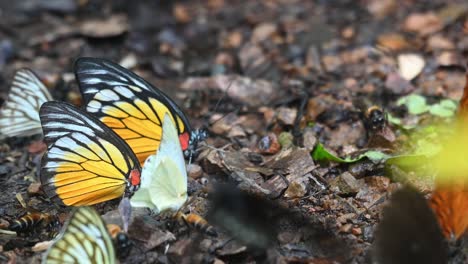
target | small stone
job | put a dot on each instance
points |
(348, 32)
(345, 184)
(381, 8)
(345, 228)
(393, 41)
(236, 131)
(448, 58)
(4, 224)
(380, 183)
(308, 139)
(34, 188)
(218, 261)
(344, 218)
(423, 23)
(296, 190)
(356, 231)
(194, 171)
(439, 42)
(285, 139)
(269, 144)
(233, 40)
(287, 116)
(410, 65)
(263, 31)
(181, 13)
(332, 63)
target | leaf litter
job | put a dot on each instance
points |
(276, 84)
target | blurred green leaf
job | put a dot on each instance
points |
(398, 123)
(321, 154)
(445, 108)
(415, 103)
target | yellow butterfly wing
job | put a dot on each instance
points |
(83, 239)
(19, 115)
(164, 175)
(129, 105)
(86, 162)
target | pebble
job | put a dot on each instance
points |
(34, 188)
(194, 171)
(356, 231)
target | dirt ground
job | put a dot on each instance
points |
(270, 81)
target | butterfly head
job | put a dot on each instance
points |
(191, 143)
(133, 182)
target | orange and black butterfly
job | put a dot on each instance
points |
(132, 107)
(86, 162)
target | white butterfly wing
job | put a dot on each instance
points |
(84, 239)
(142, 197)
(19, 116)
(164, 175)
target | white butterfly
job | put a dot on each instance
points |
(19, 115)
(84, 239)
(164, 176)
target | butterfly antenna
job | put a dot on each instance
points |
(199, 135)
(224, 94)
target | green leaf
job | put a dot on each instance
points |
(415, 103)
(398, 123)
(375, 156)
(321, 154)
(445, 108)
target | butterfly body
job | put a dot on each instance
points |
(131, 106)
(86, 162)
(19, 116)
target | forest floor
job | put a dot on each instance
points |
(272, 81)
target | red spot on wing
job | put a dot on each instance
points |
(135, 177)
(184, 140)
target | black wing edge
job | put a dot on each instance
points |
(83, 64)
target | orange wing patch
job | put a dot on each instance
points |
(451, 207)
